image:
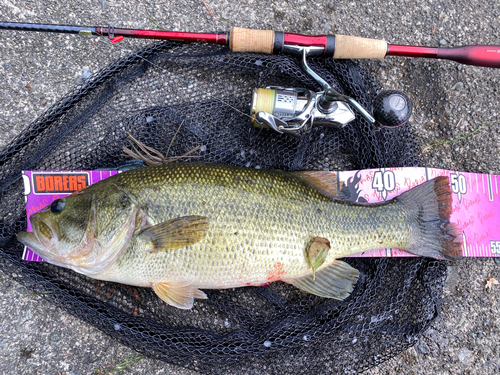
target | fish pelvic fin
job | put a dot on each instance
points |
(178, 295)
(323, 181)
(175, 233)
(430, 208)
(336, 281)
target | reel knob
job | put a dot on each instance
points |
(391, 109)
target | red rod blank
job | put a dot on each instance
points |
(487, 56)
(217, 38)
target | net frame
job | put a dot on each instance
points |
(202, 93)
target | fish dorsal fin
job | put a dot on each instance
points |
(179, 295)
(333, 281)
(323, 181)
(175, 233)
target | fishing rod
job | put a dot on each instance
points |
(294, 110)
(269, 41)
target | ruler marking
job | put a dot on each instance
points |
(465, 244)
(490, 188)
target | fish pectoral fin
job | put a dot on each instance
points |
(333, 281)
(178, 295)
(323, 181)
(317, 251)
(175, 233)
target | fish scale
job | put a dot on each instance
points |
(274, 217)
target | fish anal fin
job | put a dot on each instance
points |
(175, 233)
(178, 295)
(323, 181)
(336, 281)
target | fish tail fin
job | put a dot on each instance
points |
(430, 209)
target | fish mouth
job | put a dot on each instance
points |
(30, 240)
(41, 240)
(43, 232)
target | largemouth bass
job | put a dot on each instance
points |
(180, 228)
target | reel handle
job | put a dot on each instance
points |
(391, 109)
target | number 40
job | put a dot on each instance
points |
(384, 181)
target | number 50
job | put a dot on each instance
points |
(458, 183)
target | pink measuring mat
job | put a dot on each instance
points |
(475, 202)
(475, 199)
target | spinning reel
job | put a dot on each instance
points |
(296, 110)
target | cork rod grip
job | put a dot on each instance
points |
(353, 47)
(248, 40)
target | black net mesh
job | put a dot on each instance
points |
(273, 330)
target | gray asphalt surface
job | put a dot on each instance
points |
(450, 101)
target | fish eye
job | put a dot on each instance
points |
(58, 205)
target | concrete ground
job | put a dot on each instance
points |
(450, 101)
